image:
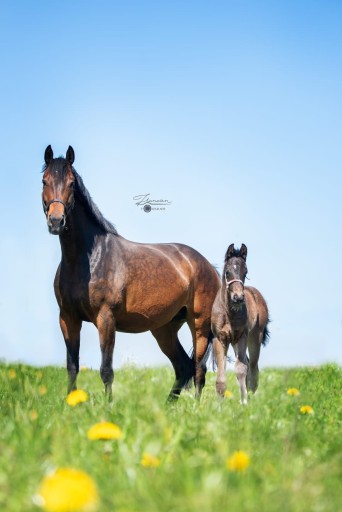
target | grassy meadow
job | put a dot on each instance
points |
(174, 458)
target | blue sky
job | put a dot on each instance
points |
(231, 110)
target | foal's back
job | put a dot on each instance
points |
(257, 310)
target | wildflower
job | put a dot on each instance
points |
(33, 415)
(67, 490)
(11, 374)
(83, 368)
(104, 430)
(149, 461)
(228, 394)
(42, 390)
(239, 461)
(76, 397)
(293, 392)
(306, 409)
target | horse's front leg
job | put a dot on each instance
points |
(105, 324)
(71, 328)
(241, 366)
(220, 353)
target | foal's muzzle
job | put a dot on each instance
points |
(237, 296)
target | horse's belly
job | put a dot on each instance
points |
(134, 322)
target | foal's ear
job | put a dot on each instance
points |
(243, 251)
(48, 155)
(230, 252)
(70, 155)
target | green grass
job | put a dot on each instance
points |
(296, 460)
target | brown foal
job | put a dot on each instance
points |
(239, 317)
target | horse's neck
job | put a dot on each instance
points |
(79, 237)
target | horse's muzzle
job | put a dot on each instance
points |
(56, 224)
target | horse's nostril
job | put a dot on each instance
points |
(57, 221)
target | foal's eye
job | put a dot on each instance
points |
(44, 183)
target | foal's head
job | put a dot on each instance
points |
(58, 189)
(234, 272)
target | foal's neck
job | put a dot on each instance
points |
(237, 317)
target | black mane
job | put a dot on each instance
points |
(60, 167)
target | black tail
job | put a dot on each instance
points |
(207, 354)
(266, 334)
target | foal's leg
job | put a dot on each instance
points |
(220, 351)
(241, 366)
(168, 342)
(71, 328)
(105, 324)
(254, 342)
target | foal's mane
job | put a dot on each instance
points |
(60, 167)
(234, 254)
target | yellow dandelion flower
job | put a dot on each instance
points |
(68, 490)
(83, 368)
(228, 394)
(11, 374)
(42, 390)
(239, 461)
(306, 409)
(33, 415)
(293, 392)
(104, 430)
(76, 397)
(149, 461)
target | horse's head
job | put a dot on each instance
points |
(58, 189)
(235, 271)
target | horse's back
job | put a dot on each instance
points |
(183, 258)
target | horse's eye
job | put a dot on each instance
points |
(44, 183)
(72, 184)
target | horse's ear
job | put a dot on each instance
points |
(230, 252)
(48, 155)
(243, 251)
(70, 155)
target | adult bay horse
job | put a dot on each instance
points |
(239, 317)
(120, 285)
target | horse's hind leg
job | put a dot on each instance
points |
(200, 330)
(168, 342)
(71, 329)
(254, 343)
(241, 366)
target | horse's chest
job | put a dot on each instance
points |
(84, 294)
(72, 293)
